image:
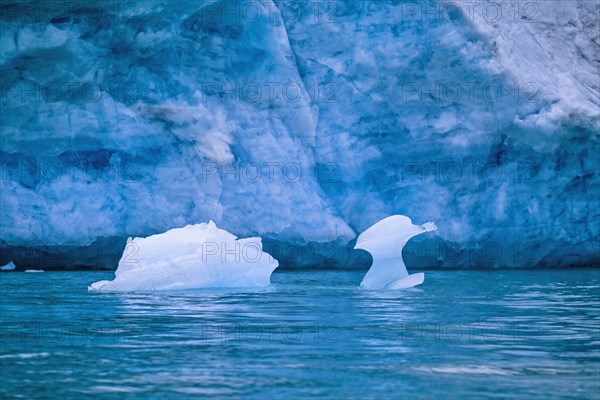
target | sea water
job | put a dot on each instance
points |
(462, 334)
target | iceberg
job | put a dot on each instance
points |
(192, 257)
(382, 240)
(8, 267)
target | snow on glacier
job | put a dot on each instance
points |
(193, 257)
(550, 36)
(302, 126)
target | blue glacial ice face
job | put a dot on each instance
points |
(303, 124)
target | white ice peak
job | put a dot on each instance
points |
(385, 241)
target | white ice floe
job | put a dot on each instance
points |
(34, 270)
(385, 241)
(196, 256)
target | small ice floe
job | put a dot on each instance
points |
(34, 270)
(8, 267)
(196, 256)
(385, 241)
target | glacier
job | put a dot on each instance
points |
(304, 124)
(194, 257)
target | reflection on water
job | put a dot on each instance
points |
(504, 334)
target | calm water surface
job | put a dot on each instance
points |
(463, 334)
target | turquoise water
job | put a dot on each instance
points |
(463, 334)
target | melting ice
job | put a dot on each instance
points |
(385, 241)
(196, 256)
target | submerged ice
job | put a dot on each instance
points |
(196, 256)
(385, 241)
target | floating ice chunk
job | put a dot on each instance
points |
(34, 270)
(8, 267)
(196, 256)
(385, 241)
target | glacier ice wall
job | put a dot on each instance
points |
(302, 123)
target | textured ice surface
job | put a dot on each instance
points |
(385, 241)
(8, 267)
(303, 127)
(196, 256)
